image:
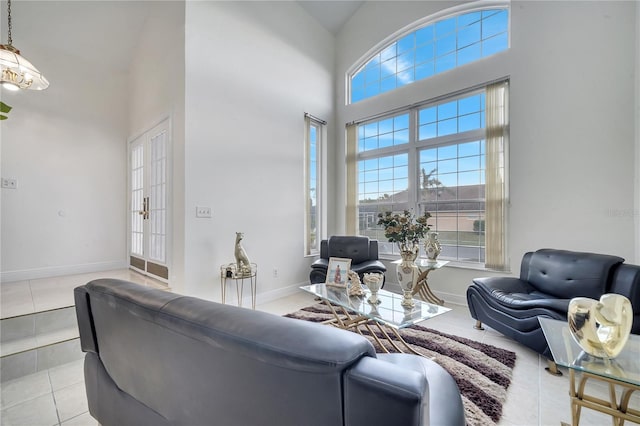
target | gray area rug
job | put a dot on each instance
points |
(483, 372)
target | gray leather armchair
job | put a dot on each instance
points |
(548, 280)
(362, 251)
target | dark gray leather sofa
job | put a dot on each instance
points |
(548, 280)
(158, 358)
(362, 251)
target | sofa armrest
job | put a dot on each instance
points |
(88, 340)
(373, 250)
(524, 265)
(320, 264)
(378, 392)
(324, 249)
(401, 389)
(626, 281)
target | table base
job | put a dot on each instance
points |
(239, 281)
(345, 320)
(423, 290)
(618, 410)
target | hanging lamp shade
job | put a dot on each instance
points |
(16, 72)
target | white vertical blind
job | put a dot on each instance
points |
(497, 122)
(351, 226)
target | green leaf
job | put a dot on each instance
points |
(4, 108)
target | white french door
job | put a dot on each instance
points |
(149, 202)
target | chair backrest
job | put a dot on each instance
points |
(356, 248)
(567, 274)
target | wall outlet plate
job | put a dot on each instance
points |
(10, 183)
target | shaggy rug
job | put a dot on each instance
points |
(483, 372)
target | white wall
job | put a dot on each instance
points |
(252, 70)
(572, 166)
(156, 91)
(65, 146)
(637, 121)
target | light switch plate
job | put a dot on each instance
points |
(203, 211)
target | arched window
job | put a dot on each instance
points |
(435, 47)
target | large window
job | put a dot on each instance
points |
(314, 134)
(433, 48)
(439, 157)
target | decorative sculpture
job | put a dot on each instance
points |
(601, 328)
(243, 265)
(373, 281)
(356, 287)
(432, 247)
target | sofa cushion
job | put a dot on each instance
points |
(566, 274)
(517, 294)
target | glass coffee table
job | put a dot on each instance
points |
(350, 312)
(622, 372)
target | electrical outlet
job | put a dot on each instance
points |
(10, 183)
(275, 272)
(203, 211)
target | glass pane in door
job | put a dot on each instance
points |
(137, 199)
(158, 199)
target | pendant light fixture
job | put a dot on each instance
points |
(17, 72)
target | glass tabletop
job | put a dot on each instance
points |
(567, 353)
(389, 312)
(425, 264)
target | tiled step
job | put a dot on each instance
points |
(35, 342)
(38, 327)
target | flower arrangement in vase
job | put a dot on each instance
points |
(406, 230)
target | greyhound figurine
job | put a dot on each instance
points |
(242, 260)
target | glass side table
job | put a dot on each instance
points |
(422, 290)
(230, 272)
(622, 372)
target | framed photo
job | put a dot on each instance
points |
(338, 270)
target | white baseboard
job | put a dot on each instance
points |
(271, 295)
(56, 271)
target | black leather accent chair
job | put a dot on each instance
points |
(548, 280)
(362, 251)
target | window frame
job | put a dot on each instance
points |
(477, 6)
(311, 243)
(415, 146)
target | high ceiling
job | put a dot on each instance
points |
(96, 31)
(331, 14)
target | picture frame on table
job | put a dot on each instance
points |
(338, 271)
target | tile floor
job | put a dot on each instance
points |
(56, 396)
